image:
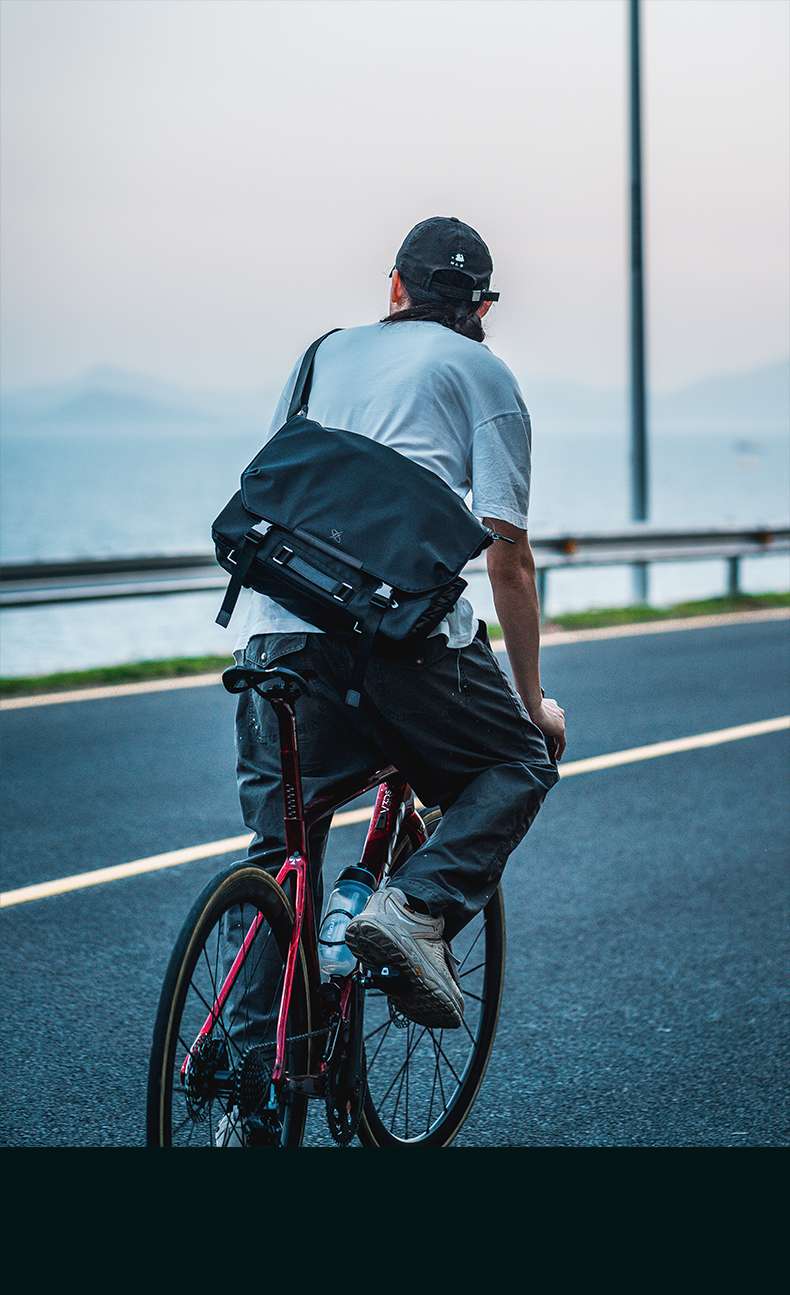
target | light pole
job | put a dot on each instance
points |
(639, 457)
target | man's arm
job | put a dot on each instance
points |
(511, 570)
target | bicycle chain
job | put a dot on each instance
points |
(269, 1049)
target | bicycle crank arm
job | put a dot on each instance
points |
(306, 1085)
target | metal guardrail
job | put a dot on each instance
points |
(36, 584)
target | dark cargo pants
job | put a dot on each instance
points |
(451, 723)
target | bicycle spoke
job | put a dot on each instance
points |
(378, 1049)
(186, 1120)
(405, 1070)
(187, 1048)
(210, 976)
(214, 991)
(216, 954)
(436, 1048)
(450, 1065)
(407, 1101)
(258, 951)
(405, 1063)
(218, 1021)
(472, 945)
(468, 994)
(470, 971)
(249, 975)
(377, 1030)
(433, 1093)
(246, 970)
(469, 1032)
(233, 1126)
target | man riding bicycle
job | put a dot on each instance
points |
(421, 382)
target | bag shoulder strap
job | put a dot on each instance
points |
(304, 378)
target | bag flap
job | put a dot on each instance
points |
(399, 520)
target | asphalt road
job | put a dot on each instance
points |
(646, 909)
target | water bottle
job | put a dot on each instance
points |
(352, 891)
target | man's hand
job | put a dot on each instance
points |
(550, 719)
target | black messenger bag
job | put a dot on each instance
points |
(346, 533)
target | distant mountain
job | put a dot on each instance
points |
(110, 397)
(758, 396)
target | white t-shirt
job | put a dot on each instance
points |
(441, 399)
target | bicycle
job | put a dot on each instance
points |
(219, 1062)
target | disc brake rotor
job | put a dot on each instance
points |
(205, 1059)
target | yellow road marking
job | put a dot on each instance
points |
(230, 844)
(558, 638)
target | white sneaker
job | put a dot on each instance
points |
(229, 1130)
(388, 933)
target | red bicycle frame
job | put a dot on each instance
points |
(394, 811)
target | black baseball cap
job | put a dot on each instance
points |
(446, 259)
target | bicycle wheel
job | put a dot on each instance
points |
(422, 1082)
(214, 1092)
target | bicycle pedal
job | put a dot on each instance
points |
(385, 979)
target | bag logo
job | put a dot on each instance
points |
(336, 535)
(457, 260)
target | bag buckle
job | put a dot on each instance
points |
(343, 592)
(382, 596)
(257, 533)
(282, 556)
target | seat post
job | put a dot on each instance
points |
(293, 802)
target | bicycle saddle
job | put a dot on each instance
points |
(275, 684)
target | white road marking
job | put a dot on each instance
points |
(154, 863)
(612, 759)
(558, 638)
(111, 690)
(562, 637)
(230, 844)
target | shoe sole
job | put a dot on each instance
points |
(420, 1001)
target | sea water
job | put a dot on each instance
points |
(76, 493)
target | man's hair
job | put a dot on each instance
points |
(460, 316)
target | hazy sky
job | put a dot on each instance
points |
(196, 189)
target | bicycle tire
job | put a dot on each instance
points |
(241, 884)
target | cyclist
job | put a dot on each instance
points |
(421, 381)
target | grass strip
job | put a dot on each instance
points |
(176, 667)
